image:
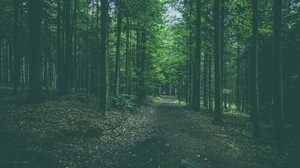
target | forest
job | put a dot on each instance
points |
(149, 83)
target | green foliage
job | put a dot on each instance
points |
(125, 102)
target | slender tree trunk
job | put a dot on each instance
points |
(1, 78)
(238, 78)
(16, 46)
(74, 46)
(197, 66)
(218, 94)
(118, 47)
(238, 82)
(59, 47)
(222, 49)
(210, 104)
(97, 48)
(127, 56)
(35, 59)
(68, 48)
(11, 63)
(254, 71)
(205, 81)
(278, 72)
(76, 64)
(103, 58)
(142, 69)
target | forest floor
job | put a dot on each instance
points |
(70, 132)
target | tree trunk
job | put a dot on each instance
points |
(205, 103)
(217, 49)
(210, 104)
(197, 66)
(59, 48)
(142, 60)
(278, 74)
(68, 48)
(254, 71)
(118, 47)
(103, 58)
(222, 53)
(16, 46)
(35, 59)
(127, 56)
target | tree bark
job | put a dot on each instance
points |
(254, 71)
(16, 46)
(35, 59)
(197, 63)
(103, 58)
(68, 48)
(278, 72)
(118, 47)
(59, 48)
(217, 49)
(205, 103)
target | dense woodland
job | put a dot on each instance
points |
(216, 57)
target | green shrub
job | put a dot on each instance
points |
(125, 102)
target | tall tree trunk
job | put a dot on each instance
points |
(103, 58)
(68, 48)
(75, 31)
(35, 59)
(210, 104)
(16, 46)
(1, 77)
(254, 71)
(142, 60)
(74, 46)
(238, 78)
(127, 56)
(197, 66)
(217, 49)
(205, 103)
(59, 48)
(222, 49)
(118, 47)
(278, 74)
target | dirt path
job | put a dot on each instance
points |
(162, 134)
(181, 139)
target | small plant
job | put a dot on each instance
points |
(125, 102)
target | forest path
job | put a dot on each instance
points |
(161, 134)
(181, 138)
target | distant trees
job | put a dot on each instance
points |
(221, 49)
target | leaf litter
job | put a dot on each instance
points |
(68, 132)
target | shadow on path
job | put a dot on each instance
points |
(179, 140)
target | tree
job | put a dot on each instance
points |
(197, 64)
(217, 49)
(103, 58)
(222, 51)
(35, 59)
(254, 71)
(118, 47)
(16, 45)
(68, 48)
(278, 72)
